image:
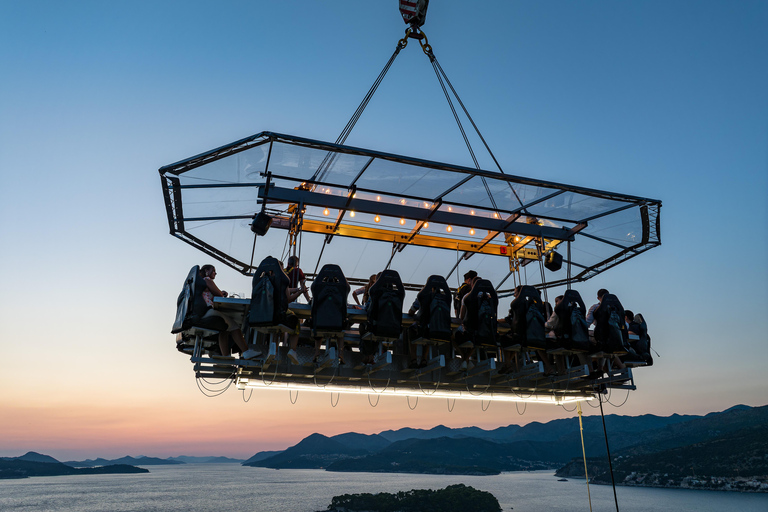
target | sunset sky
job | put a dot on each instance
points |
(667, 100)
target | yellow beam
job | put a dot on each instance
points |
(391, 236)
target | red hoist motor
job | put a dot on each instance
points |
(414, 12)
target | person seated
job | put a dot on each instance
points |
(552, 320)
(385, 312)
(469, 278)
(363, 291)
(208, 273)
(632, 326)
(296, 278)
(610, 329)
(270, 298)
(190, 309)
(480, 316)
(591, 313)
(329, 307)
(527, 324)
(643, 345)
(433, 321)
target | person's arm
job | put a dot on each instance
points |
(462, 312)
(305, 289)
(414, 307)
(591, 314)
(214, 289)
(292, 293)
(551, 322)
(357, 292)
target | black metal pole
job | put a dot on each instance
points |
(610, 464)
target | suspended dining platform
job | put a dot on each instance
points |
(367, 211)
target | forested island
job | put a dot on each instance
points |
(454, 498)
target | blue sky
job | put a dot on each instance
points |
(658, 99)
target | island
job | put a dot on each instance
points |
(454, 498)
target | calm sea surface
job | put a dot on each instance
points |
(231, 488)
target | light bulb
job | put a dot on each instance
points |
(326, 211)
(402, 222)
(449, 229)
(376, 219)
(471, 231)
(351, 214)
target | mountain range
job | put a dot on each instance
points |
(637, 444)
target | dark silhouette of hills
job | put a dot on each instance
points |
(368, 443)
(726, 450)
(636, 440)
(259, 456)
(315, 451)
(36, 464)
(133, 461)
(445, 455)
(32, 457)
(186, 459)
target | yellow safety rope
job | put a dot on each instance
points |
(584, 453)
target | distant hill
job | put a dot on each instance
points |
(369, 443)
(185, 459)
(444, 455)
(32, 457)
(35, 464)
(261, 456)
(727, 450)
(132, 461)
(624, 428)
(473, 450)
(312, 452)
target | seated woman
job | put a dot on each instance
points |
(208, 273)
(363, 290)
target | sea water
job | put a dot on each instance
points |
(232, 488)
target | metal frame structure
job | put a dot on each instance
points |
(520, 219)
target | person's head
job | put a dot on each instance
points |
(600, 293)
(629, 316)
(208, 271)
(558, 299)
(469, 276)
(293, 261)
(639, 319)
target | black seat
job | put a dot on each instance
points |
(610, 329)
(434, 316)
(190, 309)
(572, 331)
(190, 306)
(268, 298)
(329, 300)
(385, 313)
(482, 305)
(526, 319)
